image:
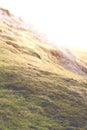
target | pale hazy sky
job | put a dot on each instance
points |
(64, 21)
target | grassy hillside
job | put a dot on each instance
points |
(36, 91)
(82, 54)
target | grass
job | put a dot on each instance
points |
(36, 93)
(31, 102)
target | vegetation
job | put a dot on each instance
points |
(36, 91)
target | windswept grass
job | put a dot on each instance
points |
(36, 92)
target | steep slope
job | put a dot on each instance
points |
(32, 42)
(82, 54)
(38, 88)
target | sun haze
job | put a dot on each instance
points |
(64, 22)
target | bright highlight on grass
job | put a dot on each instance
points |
(64, 22)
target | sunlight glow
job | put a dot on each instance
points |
(63, 21)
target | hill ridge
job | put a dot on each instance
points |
(38, 88)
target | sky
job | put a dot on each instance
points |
(63, 21)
